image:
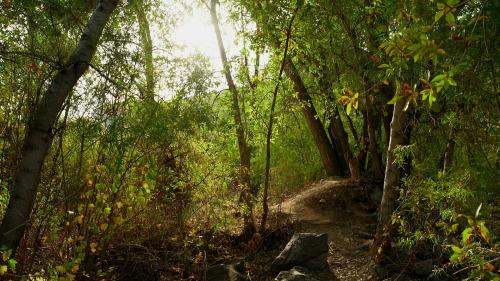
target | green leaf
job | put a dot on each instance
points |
(432, 98)
(416, 57)
(450, 18)
(485, 233)
(349, 107)
(384, 65)
(3, 269)
(107, 211)
(438, 78)
(395, 99)
(466, 234)
(438, 15)
(12, 263)
(452, 82)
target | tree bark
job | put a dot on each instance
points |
(265, 206)
(340, 135)
(39, 136)
(330, 159)
(383, 237)
(147, 49)
(249, 227)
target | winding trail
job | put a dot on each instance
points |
(345, 211)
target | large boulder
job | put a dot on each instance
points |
(226, 272)
(304, 249)
(295, 274)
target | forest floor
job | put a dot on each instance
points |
(344, 210)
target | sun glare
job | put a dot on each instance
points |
(195, 34)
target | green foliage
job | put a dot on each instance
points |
(122, 170)
(477, 250)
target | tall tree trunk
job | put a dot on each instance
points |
(387, 123)
(265, 206)
(249, 227)
(39, 136)
(330, 159)
(147, 49)
(383, 235)
(338, 132)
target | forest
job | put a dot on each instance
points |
(234, 140)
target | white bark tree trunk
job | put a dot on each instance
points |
(39, 136)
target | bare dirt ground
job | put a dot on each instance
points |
(342, 209)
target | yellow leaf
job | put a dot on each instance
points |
(118, 220)
(78, 219)
(441, 52)
(3, 269)
(6, 255)
(489, 267)
(103, 226)
(93, 247)
(75, 268)
(60, 269)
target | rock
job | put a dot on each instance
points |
(295, 274)
(226, 272)
(423, 268)
(304, 249)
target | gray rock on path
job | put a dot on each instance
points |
(295, 274)
(226, 272)
(304, 249)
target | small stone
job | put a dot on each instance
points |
(226, 272)
(295, 274)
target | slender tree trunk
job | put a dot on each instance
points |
(265, 206)
(147, 49)
(363, 152)
(249, 227)
(387, 123)
(39, 136)
(384, 230)
(330, 159)
(338, 133)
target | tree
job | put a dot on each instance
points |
(384, 232)
(39, 136)
(138, 7)
(244, 149)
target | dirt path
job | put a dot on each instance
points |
(344, 211)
